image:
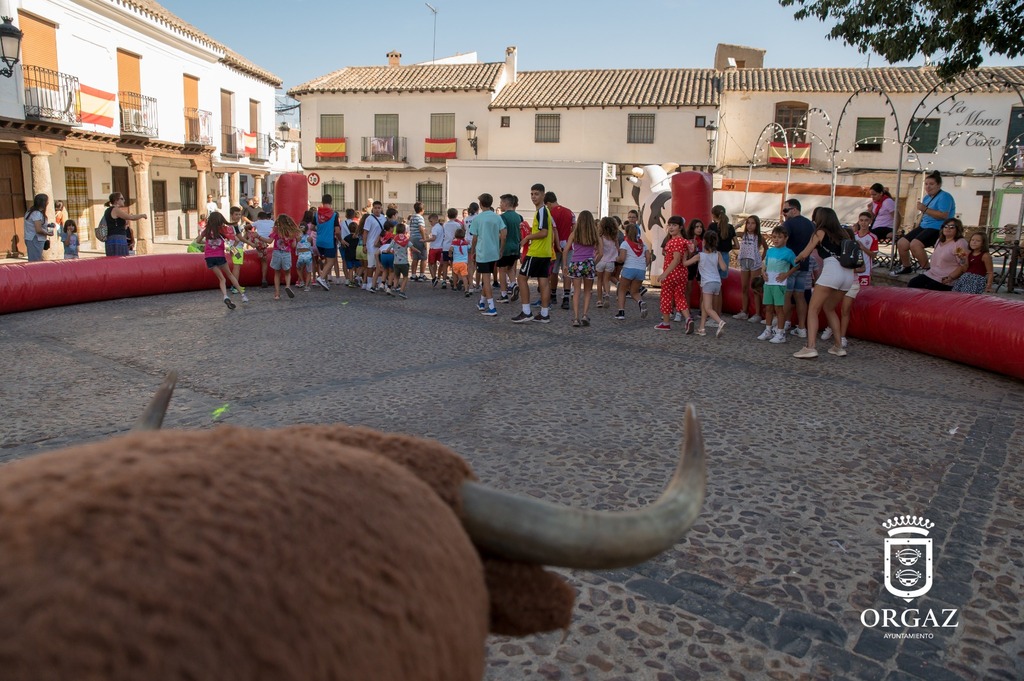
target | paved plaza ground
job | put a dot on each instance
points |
(806, 459)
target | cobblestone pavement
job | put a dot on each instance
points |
(805, 461)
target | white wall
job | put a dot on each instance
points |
(595, 134)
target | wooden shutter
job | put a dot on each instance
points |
(39, 44)
(191, 84)
(254, 116)
(129, 77)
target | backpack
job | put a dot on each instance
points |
(101, 229)
(850, 256)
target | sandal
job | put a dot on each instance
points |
(586, 320)
(701, 332)
(576, 322)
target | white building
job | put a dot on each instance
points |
(388, 132)
(121, 95)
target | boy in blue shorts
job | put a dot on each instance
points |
(779, 264)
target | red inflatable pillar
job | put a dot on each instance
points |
(291, 196)
(691, 195)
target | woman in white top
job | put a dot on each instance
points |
(36, 229)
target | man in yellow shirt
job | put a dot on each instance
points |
(538, 260)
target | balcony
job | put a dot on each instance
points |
(384, 149)
(198, 127)
(51, 96)
(138, 114)
(262, 148)
(439, 150)
(230, 142)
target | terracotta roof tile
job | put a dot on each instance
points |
(612, 87)
(891, 79)
(413, 78)
(230, 58)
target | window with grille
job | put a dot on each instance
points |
(547, 128)
(385, 125)
(640, 129)
(430, 194)
(188, 188)
(332, 125)
(1014, 141)
(924, 135)
(792, 115)
(700, 121)
(442, 126)
(870, 132)
(506, 121)
(337, 192)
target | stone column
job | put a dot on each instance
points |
(234, 189)
(143, 228)
(258, 191)
(42, 183)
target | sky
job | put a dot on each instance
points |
(298, 40)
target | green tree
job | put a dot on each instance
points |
(952, 32)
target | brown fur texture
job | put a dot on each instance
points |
(300, 553)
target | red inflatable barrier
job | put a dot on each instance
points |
(291, 196)
(982, 331)
(69, 282)
(691, 195)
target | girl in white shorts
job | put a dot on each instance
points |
(606, 264)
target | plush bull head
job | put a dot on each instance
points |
(308, 552)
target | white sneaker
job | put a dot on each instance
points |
(778, 337)
(788, 326)
(766, 334)
(712, 323)
(740, 315)
(842, 340)
(826, 334)
(678, 317)
(756, 318)
(798, 332)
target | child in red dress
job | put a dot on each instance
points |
(673, 278)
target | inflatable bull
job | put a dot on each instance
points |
(305, 553)
(652, 193)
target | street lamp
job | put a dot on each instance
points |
(471, 136)
(712, 132)
(10, 46)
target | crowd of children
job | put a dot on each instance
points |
(379, 252)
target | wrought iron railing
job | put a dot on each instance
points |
(262, 148)
(198, 126)
(138, 114)
(384, 149)
(230, 141)
(51, 95)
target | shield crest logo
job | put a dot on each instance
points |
(908, 566)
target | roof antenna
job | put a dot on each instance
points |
(433, 52)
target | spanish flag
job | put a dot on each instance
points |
(440, 148)
(800, 151)
(331, 147)
(97, 106)
(249, 143)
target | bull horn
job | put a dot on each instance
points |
(535, 531)
(670, 167)
(153, 416)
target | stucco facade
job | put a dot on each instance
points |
(146, 105)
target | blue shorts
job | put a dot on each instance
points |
(281, 260)
(212, 263)
(331, 252)
(351, 264)
(632, 273)
(305, 261)
(387, 260)
(724, 274)
(799, 281)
